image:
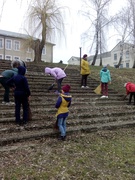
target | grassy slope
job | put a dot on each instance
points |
(119, 77)
(107, 155)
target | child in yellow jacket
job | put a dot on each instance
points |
(62, 104)
(85, 71)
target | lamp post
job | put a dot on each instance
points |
(80, 56)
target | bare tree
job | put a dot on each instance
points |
(99, 21)
(2, 7)
(132, 26)
(126, 28)
(122, 25)
(45, 18)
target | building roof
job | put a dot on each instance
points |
(17, 35)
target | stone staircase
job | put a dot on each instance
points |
(88, 112)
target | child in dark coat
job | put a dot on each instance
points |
(62, 104)
(21, 94)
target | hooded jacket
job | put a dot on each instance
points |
(9, 73)
(105, 75)
(20, 83)
(85, 68)
(130, 87)
(62, 104)
(56, 72)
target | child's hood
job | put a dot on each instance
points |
(48, 70)
(67, 97)
(104, 69)
(21, 70)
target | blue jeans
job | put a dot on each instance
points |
(62, 126)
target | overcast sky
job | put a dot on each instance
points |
(13, 16)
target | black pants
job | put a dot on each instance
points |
(130, 97)
(59, 82)
(21, 100)
(3, 81)
(84, 80)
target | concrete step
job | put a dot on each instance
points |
(27, 135)
(87, 113)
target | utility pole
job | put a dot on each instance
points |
(80, 56)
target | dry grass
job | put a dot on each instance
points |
(96, 156)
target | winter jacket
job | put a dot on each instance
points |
(56, 72)
(20, 83)
(130, 87)
(9, 73)
(105, 75)
(85, 67)
(62, 104)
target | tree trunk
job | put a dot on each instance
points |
(37, 50)
(38, 55)
(100, 64)
(119, 63)
(134, 64)
(94, 58)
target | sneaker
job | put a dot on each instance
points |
(62, 138)
(87, 86)
(106, 96)
(57, 92)
(103, 97)
(82, 87)
(9, 103)
(128, 103)
(4, 102)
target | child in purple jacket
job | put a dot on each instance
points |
(58, 74)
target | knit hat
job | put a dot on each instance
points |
(84, 56)
(125, 84)
(66, 88)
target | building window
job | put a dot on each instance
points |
(16, 45)
(121, 66)
(8, 44)
(1, 56)
(127, 65)
(44, 51)
(29, 50)
(1, 43)
(16, 58)
(28, 59)
(8, 57)
(127, 54)
(115, 56)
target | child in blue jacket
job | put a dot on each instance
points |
(105, 78)
(62, 104)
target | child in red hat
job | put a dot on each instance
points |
(62, 104)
